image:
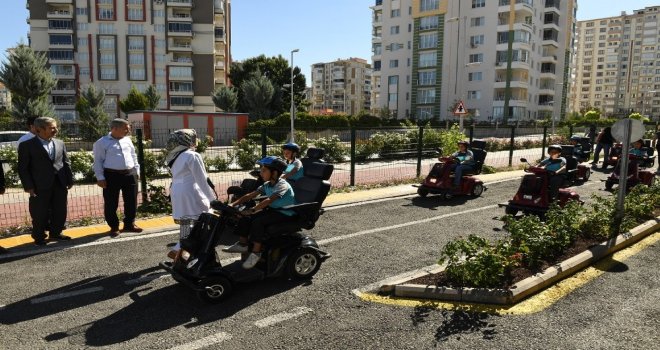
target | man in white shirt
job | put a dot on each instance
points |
(117, 169)
(32, 131)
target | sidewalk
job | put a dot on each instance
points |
(166, 223)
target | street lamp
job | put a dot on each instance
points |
(293, 107)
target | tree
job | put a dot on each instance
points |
(592, 115)
(278, 71)
(258, 93)
(93, 120)
(638, 116)
(135, 101)
(225, 98)
(153, 97)
(26, 76)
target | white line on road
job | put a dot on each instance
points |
(65, 295)
(148, 278)
(283, 316)
(204, 342)
(410, 223)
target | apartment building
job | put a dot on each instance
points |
(341, 86)
(182, 47)
(5, 98)
(460, 51)
(617, 64)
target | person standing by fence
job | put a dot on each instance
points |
(117, 169)
(604, 142)
(45, 172)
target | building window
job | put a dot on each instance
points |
(475, 76)
(395, 13)
(82, 26)
(394, 30)
(425, 95)
(159, 28)
(135, 14)
(180, 27)
(426, 78)
(428, 59)
(393, 80)
(394, 63)
(106, 14)
(476, 57)
(476, 40)
(60, 55)
(136, 73)
(84, 71)
(426, 23)
(108, 73)
(429, 40)
(180, 72)
(60, 24)
(136, 59)
(181, 86)
(61, 39)
(135, 29)
(181, 101)
(81, 11)
(107, 28)
(477, 21)
(424, 113)
(478, 3)
(429, 5)
(82, 43)
(474, 95)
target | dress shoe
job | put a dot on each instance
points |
(114, 232)
(40, 242)
(60, 237)
(131, 229)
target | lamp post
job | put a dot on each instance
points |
(293, 107)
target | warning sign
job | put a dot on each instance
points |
(460, 108)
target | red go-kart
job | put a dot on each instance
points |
(440, 178)
(576, 172)
(638, 173)
(533, 196)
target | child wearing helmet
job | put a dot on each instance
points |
(577, 146)
(556, 165)
(294, 169)
(253, 224)
(637, 149)
(465, 163)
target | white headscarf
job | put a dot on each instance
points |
(180, 141)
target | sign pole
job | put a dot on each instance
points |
(623, 175)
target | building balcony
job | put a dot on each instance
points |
(514, 84)
(60, 30)
(180, 33)
(180, 46)
(547, 107)
(520, 5)
(547, 74)
(513, 102)
(179, 17)
(58, 46)
(549, 58)
(547, 90)
(181, 93)
(182, 108)
(514, 65)
(550, 42)
(551, 25)
(219, 6)
(180, 3)
(59, 14)
(64, 105)
(181, 61)
(181, 78)
(59, 1)
(65, 90)
(220, 65)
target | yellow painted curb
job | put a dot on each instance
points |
(535, 303)
(78, 232)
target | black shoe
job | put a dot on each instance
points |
(40, 242)
(60, 237)
(114, 232)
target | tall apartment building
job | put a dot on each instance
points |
(5, 98)
(617, 65)
(343, 86)
(180, 46)
(459, 50)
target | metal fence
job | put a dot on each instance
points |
(361, 157)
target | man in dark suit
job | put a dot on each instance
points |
(45, 172)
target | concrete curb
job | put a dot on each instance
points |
(334, 199)
(526, 287)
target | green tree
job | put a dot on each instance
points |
(135, 101)
(592, 115)
(258, 93)
(278, 71)
(225, 98)
(153, 97)
(93, 120)
(26, 76)
(638, 117)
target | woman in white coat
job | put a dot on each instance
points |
(191, 194)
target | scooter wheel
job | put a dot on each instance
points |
(510, 211)
(587, 175)
(303, 264)
(216, 289)
(422, 192)
(608, 186)
(477, 190)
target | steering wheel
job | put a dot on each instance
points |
(220, 206)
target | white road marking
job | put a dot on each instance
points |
(2, 307)
(410, 223)
(283, 316)
(65, 295)
(148, 278)
(204, 342)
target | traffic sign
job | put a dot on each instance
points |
(636, 130)
(460, 108)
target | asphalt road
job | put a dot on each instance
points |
(111, 295)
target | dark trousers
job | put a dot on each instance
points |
(48, 210)
(606, 155)
(555, 183)
(458, 170)
(254, 226)
(128, 186)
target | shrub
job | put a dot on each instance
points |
(204, 143)
(158, 203)
(335, 150)
(390, 143)
(364, 149)
(449, 139)
(82, 163)
(246, 152)
(9, 155)
(218, 163)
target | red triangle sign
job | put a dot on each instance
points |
(460, 108)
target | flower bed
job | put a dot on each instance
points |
(536, 254)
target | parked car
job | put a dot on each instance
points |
(10, 138)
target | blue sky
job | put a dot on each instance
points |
(322, 30)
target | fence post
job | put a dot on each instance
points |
(420, 145)
(143, 176)
(570, 130)
(544, 142)
(264, 142)
(511, 144)
(471, 133)
(352, 181)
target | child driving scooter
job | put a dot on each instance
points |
(269, 211)
(556, 165)
(465, 163)
(637, 150)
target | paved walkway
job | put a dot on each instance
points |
(333, 199)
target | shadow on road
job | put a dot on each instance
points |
(151, 310)
(456, 322)
(434, 202)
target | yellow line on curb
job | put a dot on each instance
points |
(535, 303)
(78, 232)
